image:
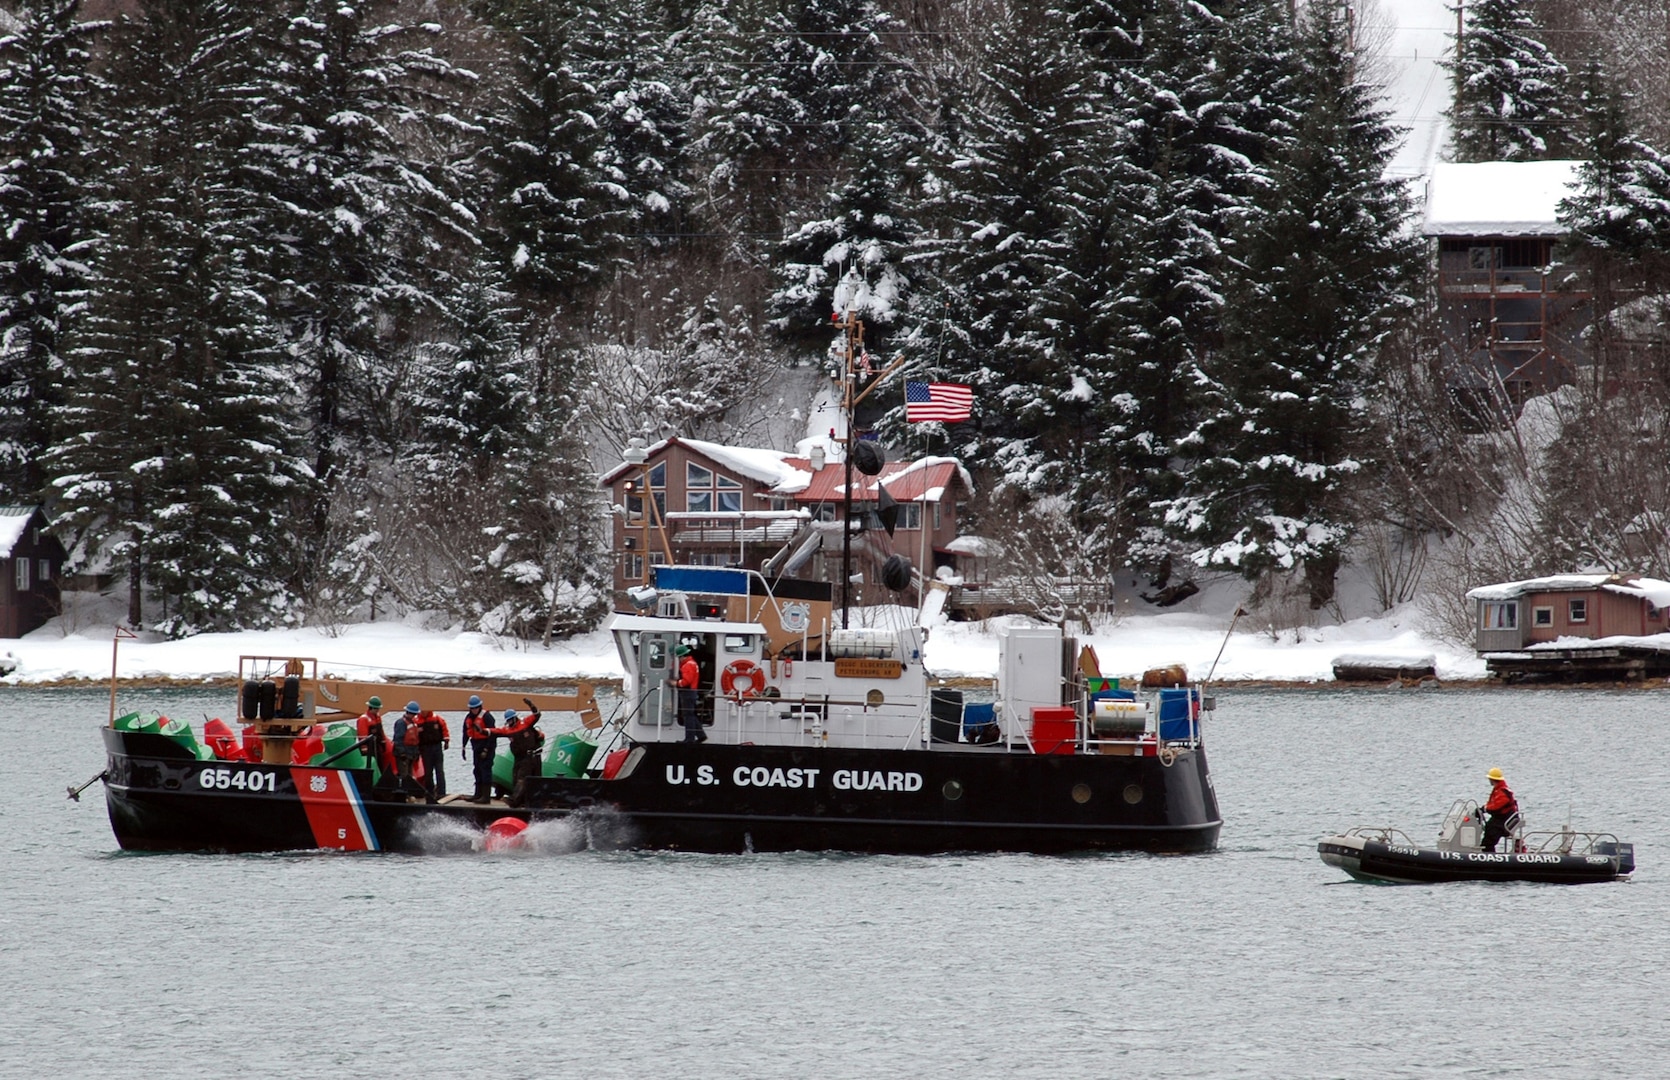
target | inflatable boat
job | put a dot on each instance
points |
(1561, 857)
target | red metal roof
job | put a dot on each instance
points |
(906, 481)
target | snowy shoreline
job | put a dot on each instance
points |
(956, 652)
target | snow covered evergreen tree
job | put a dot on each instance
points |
(1622, 211)
(1326, 269)
(476, 393)
(44, 212)
(1009, 280)
(852, 256)
(1511, 98)
(361, 194)
(556, 212)
(778, 88)
(1178, 180)
(176, 454)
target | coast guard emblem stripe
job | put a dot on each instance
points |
(334, 811)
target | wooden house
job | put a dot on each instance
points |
(1512, 319)
(31, 562)
(697, 503)
(1577, 625)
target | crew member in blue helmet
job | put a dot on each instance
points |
(406, 748)
(482, 739)
(525, 742)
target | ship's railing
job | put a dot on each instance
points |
(1564, 841)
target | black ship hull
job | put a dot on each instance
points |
(690, 797)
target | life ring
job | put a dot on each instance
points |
(742, 679)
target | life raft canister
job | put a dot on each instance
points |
(742, 679)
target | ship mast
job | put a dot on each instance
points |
(852, 361)
(854, 328)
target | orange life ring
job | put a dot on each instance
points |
(742, 679)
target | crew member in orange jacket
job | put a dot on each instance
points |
(433, 740)
(689, 681)
(525, 741)
(371, 725)
(1498, 808)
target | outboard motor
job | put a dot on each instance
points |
(1624, 853)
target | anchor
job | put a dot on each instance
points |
(75, 792)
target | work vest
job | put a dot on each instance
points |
(1501, 801)
(477, 728)
(689, 675)
(431, 729)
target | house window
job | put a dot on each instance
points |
(22, 574)
(910, 515)
(1484, 258)
(634, 568)
(936, 515)
(1577, 610)
(43, 570)
(657, 486)
(1501, 615)
(825, 512)
(708, 492)
(1542, 616)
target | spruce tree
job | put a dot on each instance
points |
(1511, 98)
(1178, 178)
(177, 456)
(1010, 280)
(361, 190)
(45, 209)
(1326, 270)
(1621, 212)
(852, 257)
(556, 213)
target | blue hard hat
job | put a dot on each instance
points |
(475, 702)
(509, 715)
(412, 707)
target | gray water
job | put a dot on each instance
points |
(1255, 961)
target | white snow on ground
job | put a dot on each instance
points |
(396, 650)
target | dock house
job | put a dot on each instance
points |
(1574, 626)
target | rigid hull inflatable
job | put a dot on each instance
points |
(1562, 857)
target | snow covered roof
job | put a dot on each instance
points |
(780, 471)
(14, 521)
(978, 546)
(1652, 590)
(1498, 198)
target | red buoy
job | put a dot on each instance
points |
(505, 834)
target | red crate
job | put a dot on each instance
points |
(1055, 730)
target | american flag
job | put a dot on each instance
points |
(943, 401)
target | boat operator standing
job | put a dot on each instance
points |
(1498, 808)
(481, 738)
(433, 741)
(525, 742)
(689, 680)
(371, 727)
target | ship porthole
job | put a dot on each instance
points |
(953, 790)
(1081, 793)
(1133, 793)
(874, 698)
